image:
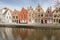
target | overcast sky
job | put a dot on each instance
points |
(18, 4)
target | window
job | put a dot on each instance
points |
(45, 21)
(59, 9)
(13, 20)
(9, 17)
(38, 20)
(16, 17)
(46, 15)
(55, 15)
(32, 15)
(58, 15)
(24, 17)
(38, 14)
(15, 12)
(50, 15)
(48, 11)
(21, 17)
(42, 15)
(13, 17)
(59, 20)
(8, 13)
(35, 20)
(49, 20)
(16, 21)
(42, 21)
(29, 20)
(56, 11)
(54, 20)
(39, 10)
(35, 14)
(29, 15)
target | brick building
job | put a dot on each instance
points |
(23, 16)
(15, 16)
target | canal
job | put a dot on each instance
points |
(42, 33)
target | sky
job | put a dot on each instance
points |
(18, 4)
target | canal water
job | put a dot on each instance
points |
(29, 34)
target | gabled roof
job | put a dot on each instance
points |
(30, 8)
(49, 9)
(16, 12)
(11, 12)
(23, 10)
(7, 9)
(39, 8)
(56, 9)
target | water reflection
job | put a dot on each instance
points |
(28, 34)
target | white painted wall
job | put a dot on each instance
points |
(8, 17)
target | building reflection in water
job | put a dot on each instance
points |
(29, 34)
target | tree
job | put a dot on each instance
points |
(56, 3)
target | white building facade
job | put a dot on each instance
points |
(6, 15)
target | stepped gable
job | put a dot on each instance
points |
(39, 8)
(49, 10)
